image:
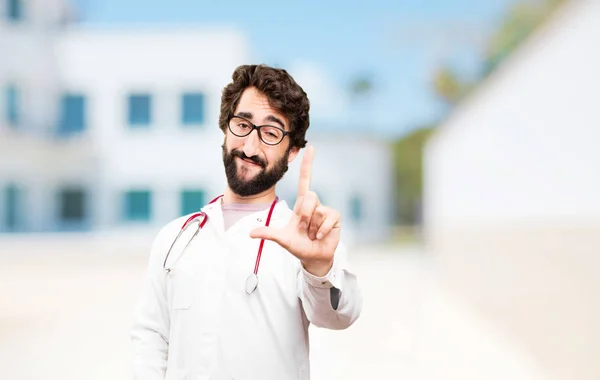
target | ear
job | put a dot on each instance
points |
(293, 154)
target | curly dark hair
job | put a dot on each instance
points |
(282, 92)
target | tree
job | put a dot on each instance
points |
(448, 86)
(518, 23)
(408, 173)
(360, 90)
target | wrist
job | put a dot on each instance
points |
(318, 268)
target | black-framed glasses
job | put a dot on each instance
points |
(268, 134)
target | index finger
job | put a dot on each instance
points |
(306, 171)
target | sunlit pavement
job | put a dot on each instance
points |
(66, 313)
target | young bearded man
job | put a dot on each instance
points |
(232, 295)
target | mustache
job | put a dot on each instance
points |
(256, 159)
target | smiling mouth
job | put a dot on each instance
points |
(250, 162)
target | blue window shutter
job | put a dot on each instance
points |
(73, 114)
(12, 106)
(192, 201)
(140, 109)
(14, 10)
(192, 109)
(12, 202)
(356, 208)
(72, 205)
(137, 205)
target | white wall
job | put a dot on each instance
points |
(38, 14)
(511, 197)
(165, 157)
(524, 147)
(27, 62)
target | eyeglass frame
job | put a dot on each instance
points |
(257, 127)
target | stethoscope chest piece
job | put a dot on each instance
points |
(251, 283)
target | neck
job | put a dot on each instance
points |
(267, 196)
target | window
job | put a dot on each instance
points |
(139, 109)
(72, 206)
(137, 205)
(72, 119)
(192, 201)
(356, 209)
(12, 106)
(12, 201)
(14, 10)
(192, 109)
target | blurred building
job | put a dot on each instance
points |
(104, 129)
(512, 196)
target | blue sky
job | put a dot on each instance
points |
(327, 43)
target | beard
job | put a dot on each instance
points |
(264, 180)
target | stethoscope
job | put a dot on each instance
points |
(201, 218)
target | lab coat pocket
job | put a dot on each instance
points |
(182, 289)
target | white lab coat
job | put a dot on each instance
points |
(197, 322)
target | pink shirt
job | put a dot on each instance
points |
(233, 212)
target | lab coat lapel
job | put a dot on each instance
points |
(280, 214)
(215, 218)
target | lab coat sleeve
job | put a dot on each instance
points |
(150, 331)
(333, 301)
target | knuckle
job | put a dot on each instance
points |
(306, 209)
(305, 218)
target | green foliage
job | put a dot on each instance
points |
(361, 86)
(518, 23)
(448, 85)
(408, 164)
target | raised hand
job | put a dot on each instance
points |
(313, 232)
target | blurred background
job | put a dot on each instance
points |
(458, 140)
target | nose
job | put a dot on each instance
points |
(252, 144)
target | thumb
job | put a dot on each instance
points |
(268, 233)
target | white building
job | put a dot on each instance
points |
(117, 129)
(512, 200)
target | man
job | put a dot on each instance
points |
(234, 299)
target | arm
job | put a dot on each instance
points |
(333, 301)
(150, 332)
(328, 290)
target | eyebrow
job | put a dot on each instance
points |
(248, 115)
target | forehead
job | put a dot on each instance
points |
(254, 103)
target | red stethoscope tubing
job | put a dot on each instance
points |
(203, 222)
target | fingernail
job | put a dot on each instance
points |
(303, 225)
(319, 235)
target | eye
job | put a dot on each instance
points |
(243, 125)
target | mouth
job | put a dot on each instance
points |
(250, 162)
